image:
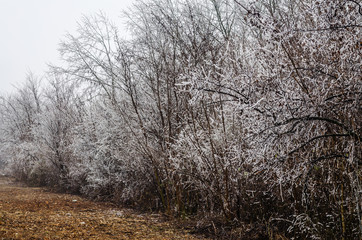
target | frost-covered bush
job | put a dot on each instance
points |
(106, 163)
(234, 111)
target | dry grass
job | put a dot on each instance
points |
(34, 213)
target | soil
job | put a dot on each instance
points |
(36, 213)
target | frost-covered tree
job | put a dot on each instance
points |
(19, 114)
(239, 112)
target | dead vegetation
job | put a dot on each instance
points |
(34, 213)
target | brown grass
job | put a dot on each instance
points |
(34, 213)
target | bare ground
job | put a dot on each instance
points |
(35, 213)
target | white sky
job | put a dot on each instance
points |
(30, 31)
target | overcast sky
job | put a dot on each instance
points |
(30, 31)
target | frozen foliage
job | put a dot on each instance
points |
(241, 112)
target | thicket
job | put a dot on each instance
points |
(245, 114)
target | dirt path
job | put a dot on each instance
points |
(33, 213)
